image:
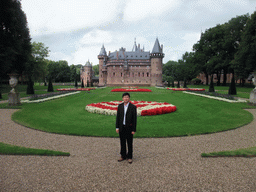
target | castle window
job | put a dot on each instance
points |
(141, 56)
(139, 74)
(136, 55)
(133, 74)
(121, 74)
(101, 75)
(120, 66)
(142, 74)
(147, 74)
(114, 74)
(129, 74)
(114, 67)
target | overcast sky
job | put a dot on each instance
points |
(74, 30)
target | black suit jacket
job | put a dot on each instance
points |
(130, 117)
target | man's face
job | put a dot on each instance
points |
(126, 98)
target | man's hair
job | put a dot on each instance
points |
(125, 94)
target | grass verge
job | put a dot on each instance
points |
(7, 149)
(244, 152)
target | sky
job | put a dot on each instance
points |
(75, 30)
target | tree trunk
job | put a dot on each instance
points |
(218, 77)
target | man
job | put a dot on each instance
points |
(126, 120)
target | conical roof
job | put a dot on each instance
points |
(103, 51)
(88, 63)
(157, 48)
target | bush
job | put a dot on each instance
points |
(232, 87)
(91, 84)
(50, 87)
(82, 84)
(87, 83)
(196, 81)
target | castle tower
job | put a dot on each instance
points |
(102, 66)
(156, 64)
(87, 73)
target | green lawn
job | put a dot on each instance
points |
(243, 92)
(7, 149)
(194, 115)
(245, 152)
(23, 88)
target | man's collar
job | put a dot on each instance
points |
(127, 104)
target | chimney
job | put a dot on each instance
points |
(109, 53)
(162, 48)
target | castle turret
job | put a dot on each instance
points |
(156, 64)
(87, 73)
(102, 66)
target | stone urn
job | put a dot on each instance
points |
(253, 92)
(14, 96)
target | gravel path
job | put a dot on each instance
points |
(159, 164)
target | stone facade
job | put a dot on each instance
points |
(134, 68)
(87, 73)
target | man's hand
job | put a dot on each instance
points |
(133, 132)
(117, 130)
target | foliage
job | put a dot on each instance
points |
(96, 69)
(82, 84)
(88, 83)
(15, 46)
(196, 81)
(244, 62)
(60, 71)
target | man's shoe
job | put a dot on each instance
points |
(121, 159)
(130, 161)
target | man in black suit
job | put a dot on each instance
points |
(126, 120)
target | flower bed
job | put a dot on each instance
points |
(74, 89)
(144, 108)
(186, 89)
(131, 90)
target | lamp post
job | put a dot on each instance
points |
(14, 95)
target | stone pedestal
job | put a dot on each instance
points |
(14, 99)
(253, 96)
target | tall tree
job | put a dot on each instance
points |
(244, 62)
(15, 46)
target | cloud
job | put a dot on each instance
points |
(138, 10)
(47, 16)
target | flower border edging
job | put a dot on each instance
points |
(217, 98)
(49, 98)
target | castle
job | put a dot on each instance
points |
(128, 68)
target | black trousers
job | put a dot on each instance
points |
(126, 135)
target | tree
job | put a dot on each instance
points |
(30, 88)
(15, 46)
(244, 62)
(82, 84)
(96, 69)
(87, 83)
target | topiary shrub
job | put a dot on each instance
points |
(87, 83)
(178, 85)
(185, 84)
(173, 83)
(50, 87)
(169, 84)
(82, 84)
(232, 87)
(1, 95)
(211, 88)
(91, 84)
(30, 88)
(76, 83)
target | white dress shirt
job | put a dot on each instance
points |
(125, 110)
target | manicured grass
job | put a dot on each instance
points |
(38, 90)
(6, 106)
(195, 115)
(245, 152)
(7, 149)
(243, 92)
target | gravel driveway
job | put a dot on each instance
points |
(159, 164)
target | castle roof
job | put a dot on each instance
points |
(88, 63)
(157, 48)
(103, 51)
